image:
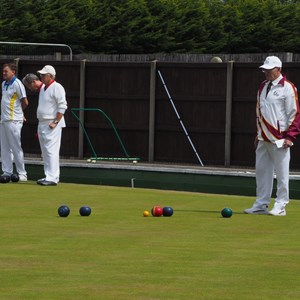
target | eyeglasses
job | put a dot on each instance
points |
(268, 70)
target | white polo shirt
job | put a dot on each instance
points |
(52, 99)
(11, 106)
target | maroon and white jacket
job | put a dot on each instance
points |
(278, 113)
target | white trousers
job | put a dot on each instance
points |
(269, 159)
(50, 140)
(11, 149)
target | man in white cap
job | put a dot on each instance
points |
(278, 124)
(50, 113)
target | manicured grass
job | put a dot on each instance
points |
(116, 253)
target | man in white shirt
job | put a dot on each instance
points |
(13, 102)
(278, 124)
(50, 113)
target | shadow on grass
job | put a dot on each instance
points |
(206, 211)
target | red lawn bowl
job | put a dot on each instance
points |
(156, 211)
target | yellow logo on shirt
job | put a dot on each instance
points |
(12, 106)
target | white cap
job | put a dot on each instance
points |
(271, 62)
(47, 70)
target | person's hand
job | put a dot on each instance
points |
(287, 143)
(52, 125)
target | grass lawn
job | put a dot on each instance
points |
(116, 253)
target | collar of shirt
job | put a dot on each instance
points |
(46, 86)
(278, 80)
(8, 83)
(39, 88)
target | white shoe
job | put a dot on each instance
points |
(278, 211)
(22, 177)
(257, 210)
(39, 181)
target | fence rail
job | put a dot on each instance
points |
(21, 48)
(162, 57)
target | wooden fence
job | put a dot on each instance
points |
(216, 103)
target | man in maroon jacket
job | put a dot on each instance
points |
(278, 124)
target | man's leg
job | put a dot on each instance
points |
(264, 179)
(14, 135)
(50, 140)
(264, 173)
(282, 165)
(6, 156)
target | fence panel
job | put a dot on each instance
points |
(199, 93)
(122, 91)
(246, 79)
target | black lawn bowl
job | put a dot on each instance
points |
(4, 178)
(14, 178)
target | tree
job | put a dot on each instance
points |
(287, 16)
(217, 37)
(63, 22)
(261, 26)
(191, 34)
(152, 26)
(121, 27)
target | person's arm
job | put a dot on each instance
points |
(61, 106)
(24, 103)
(57, 119)
(293, 115)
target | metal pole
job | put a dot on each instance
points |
(41, 44)
(17, 61)
(177, 114)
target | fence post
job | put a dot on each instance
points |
(57, 56)
(81, 105)
(16, 62)
(152, 111)
(228, 113)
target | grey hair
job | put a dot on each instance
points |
(29, 78)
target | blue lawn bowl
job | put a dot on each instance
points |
(63, 211)
(85, 211)
(226, 212)
(168, 211)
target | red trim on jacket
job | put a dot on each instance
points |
(294, 128)
(40, 87)
(262, 85)
(46, 86)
